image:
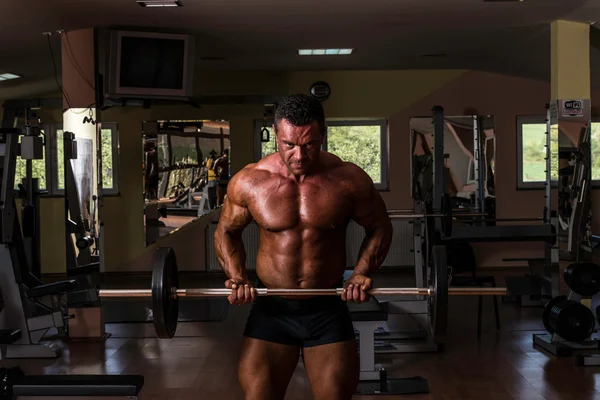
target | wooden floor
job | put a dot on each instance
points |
(503, 365)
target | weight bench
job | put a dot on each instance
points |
(15, 383)
(367, 317)
(78, 385)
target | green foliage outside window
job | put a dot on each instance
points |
(360, 145)
(107, 159)
(534, 152)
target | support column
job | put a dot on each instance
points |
(570, 124)
(81, 172)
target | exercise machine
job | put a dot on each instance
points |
(30, 306)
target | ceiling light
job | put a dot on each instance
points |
(432, 55)
(159, 3)
(324, 52)
(6, 77)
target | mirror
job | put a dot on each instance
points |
(185, 170)
(470, 152)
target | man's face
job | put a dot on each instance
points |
(299, 146)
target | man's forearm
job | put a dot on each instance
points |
(231, 253)
(374, 249)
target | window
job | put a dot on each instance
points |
(362, 142)
(50, 170)
(110, 158)
(531, 136)
(270, 146)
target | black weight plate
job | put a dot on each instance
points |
(572, 320)
(583, 278)
(546, 313)
(165, 305)
(438, 299)
(446, 211)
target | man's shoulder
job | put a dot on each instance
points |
(254, 173)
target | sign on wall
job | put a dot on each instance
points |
(572, 108)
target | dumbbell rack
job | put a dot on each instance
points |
(560, 347)
(569, 320)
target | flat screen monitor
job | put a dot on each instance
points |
(146, 64)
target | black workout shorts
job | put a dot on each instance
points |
(300, 322)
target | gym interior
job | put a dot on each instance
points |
(476, 120)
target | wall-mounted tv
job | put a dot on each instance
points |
(150, 65)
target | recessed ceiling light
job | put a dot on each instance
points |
(431, 55)
(159, 3)
(7, 76)
(324, 52)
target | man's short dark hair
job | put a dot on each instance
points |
(300, 110)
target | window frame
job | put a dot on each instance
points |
(383, 137)
(536, 119)
(520, 121)
(52, 159)
(383, 143)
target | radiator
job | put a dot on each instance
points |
(400, 254)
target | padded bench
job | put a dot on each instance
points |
(52, 289)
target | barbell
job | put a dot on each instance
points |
(447, 214)
(165, 293)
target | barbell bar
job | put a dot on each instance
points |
(217, 292)
(165, 293)
(414, 216)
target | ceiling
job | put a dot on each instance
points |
(505, 37)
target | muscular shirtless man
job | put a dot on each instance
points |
(302, 199)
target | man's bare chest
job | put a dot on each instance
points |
(279, 206)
